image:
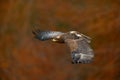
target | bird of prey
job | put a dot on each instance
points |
(78, 43)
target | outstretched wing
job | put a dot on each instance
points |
(81, 52)
(45, 35)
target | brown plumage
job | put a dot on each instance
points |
(77, 42)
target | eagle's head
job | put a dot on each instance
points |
(75, 34)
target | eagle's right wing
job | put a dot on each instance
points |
(45, 35)
(81, 52)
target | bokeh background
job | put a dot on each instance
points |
(24, 58)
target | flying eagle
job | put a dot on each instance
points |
(81, 52)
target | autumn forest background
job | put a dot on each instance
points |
(24, 58)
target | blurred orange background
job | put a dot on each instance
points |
(24, 58)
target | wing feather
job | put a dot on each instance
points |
(45, 35)
(81, 52)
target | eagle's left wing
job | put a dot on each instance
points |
(81, 52)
